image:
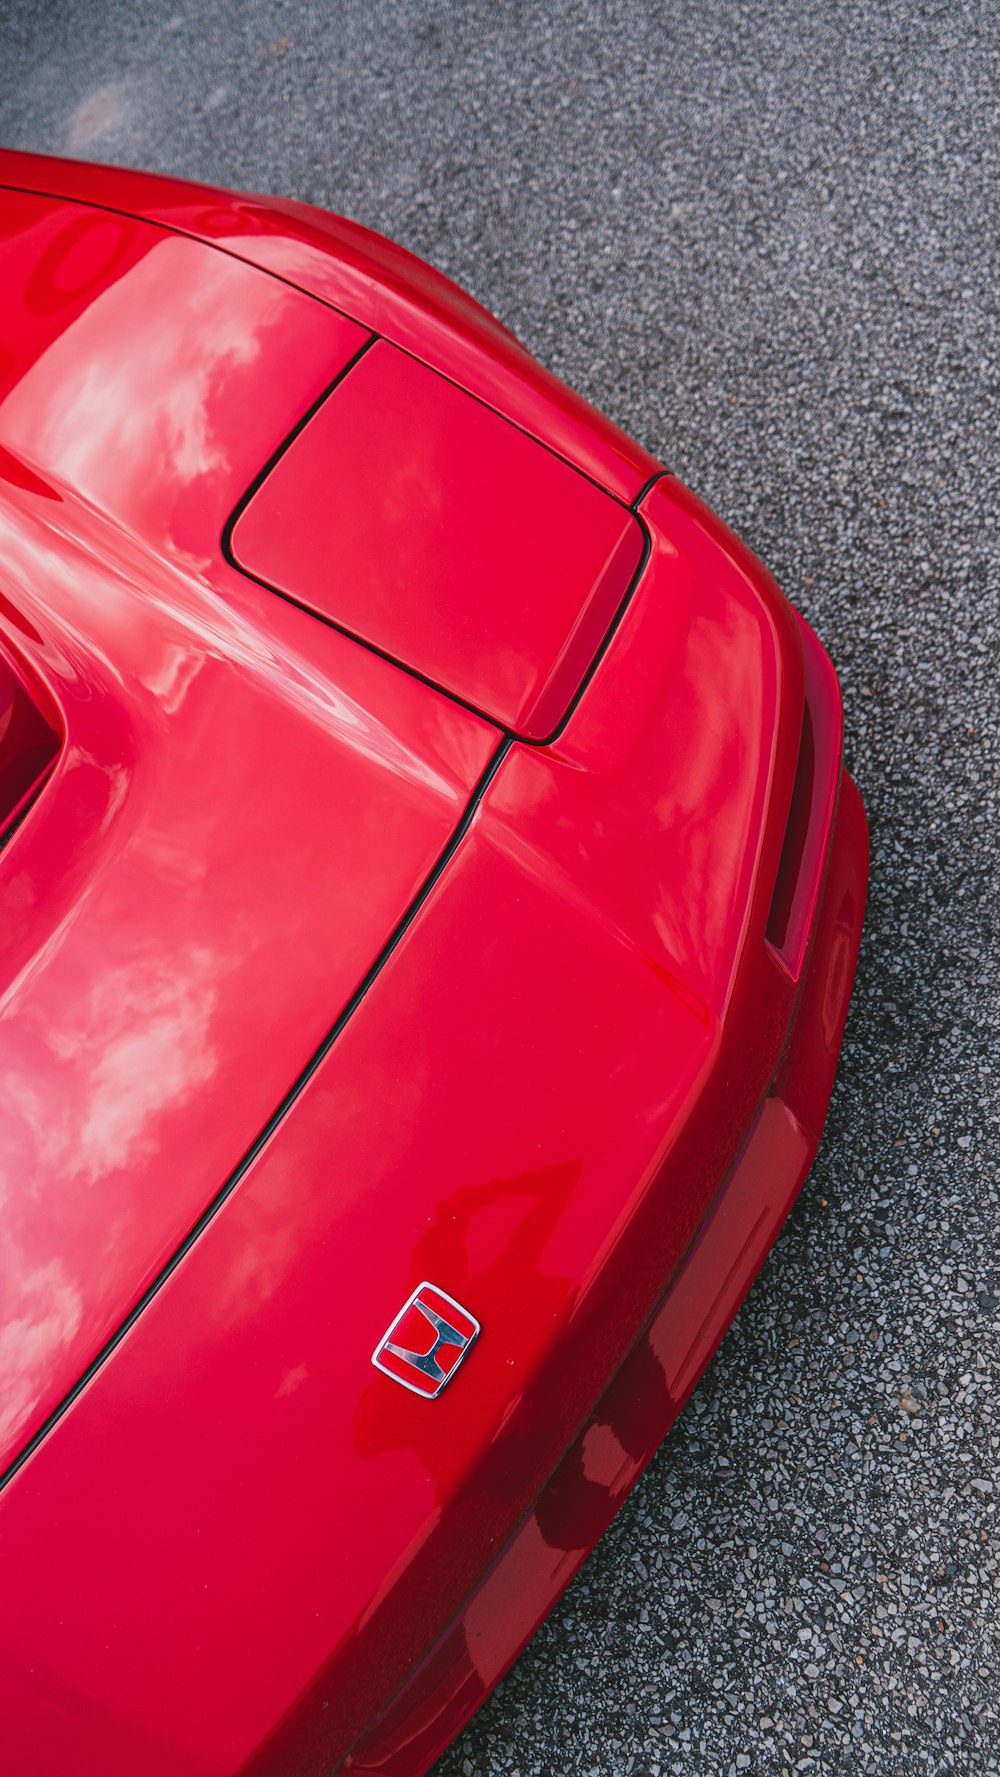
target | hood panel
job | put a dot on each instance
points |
(244, 803)
(422, 522)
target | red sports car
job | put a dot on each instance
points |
(431, 895)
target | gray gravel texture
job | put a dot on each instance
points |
(766, 240)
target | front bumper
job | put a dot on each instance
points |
(640, 1405)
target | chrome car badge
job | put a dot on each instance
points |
(426, 1342)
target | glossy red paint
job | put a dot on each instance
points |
(212, 766)
(498, 584)
(380, 284)
(663, 1367)
(603, 985)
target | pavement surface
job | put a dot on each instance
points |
(766, 240)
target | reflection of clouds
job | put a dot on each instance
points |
(172, 674)
(109, 401)
(140, 1043)
(51, 559)
(291, 1380)
(116, 779)
(43, 1317)
(20, 892)
(259, 1266)
(102, 413)
(85, 1098)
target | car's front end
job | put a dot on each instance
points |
(515, 925)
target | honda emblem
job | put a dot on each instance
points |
(426, 1342)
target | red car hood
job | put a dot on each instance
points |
(243, 803)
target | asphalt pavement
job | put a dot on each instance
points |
(765, 239)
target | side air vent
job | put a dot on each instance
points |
(810, 814)
(780, 924)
